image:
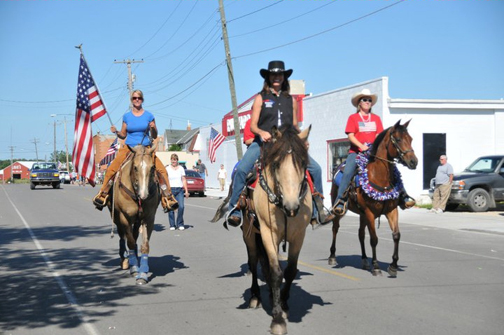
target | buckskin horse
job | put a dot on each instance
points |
(135, 200)
(283, 208)
(391, 145)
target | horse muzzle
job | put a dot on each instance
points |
(290, 211)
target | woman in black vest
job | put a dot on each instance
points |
(273, 106)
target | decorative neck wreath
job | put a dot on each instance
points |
(362, 161)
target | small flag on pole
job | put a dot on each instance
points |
(111, 152)
(90, 108)
(216, 139)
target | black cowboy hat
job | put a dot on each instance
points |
(276, 66)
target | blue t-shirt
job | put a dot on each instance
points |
(136, 126)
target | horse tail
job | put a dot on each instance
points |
(223, 208)
(334, 192)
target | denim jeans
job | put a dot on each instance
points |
(247, 163)
(350, 167)
(178, 193)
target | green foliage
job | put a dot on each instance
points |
(175, 147)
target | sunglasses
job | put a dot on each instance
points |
(366, 100)
(136, 98)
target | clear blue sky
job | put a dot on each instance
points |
(452, 49)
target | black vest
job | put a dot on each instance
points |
(275, 111)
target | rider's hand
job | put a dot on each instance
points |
(113, 129)
(265, 136)
(364, 148)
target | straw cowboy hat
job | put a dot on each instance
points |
(364, 93)
(276, 66)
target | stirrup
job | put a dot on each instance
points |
(340, 211)
(100, 202)
(231, 222)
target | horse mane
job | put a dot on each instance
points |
(378, 141)
(275, 153)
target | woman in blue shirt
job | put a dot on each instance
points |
(134, 127)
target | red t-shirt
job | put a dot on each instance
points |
(247, 133)
(363, 131)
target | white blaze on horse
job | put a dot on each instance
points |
(133, 209)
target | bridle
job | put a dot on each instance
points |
(276, 198)
(401, 153)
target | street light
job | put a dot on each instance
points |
(66, 140)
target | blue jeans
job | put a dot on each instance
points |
(247, 163)
(178, 193)
(349, 172)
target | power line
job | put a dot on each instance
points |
(322, 32)
(256, 11)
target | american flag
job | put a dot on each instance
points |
(111, 152)
(216, 139)
(90, 108)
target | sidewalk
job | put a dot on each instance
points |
(216, 192)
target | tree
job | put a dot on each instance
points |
(175, 147)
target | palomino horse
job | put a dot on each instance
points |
(390, 145)
(283, 207)
(133, 209)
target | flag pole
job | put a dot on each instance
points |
(96, 84)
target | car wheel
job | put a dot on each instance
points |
(32, 186)
(56, 186)
(451, 207)
(202, 194)
(478, 200)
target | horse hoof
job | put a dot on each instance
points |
(278, 328)
(124, 264)
(141, 279)
(332, 261)
(255, 303)
(392, 271)
(376, 272)
(365, 264)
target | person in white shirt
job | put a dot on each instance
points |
(221, 176)
(176, 176)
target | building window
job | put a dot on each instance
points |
(337, 152)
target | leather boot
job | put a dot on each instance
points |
(405, 201)
(323, 216)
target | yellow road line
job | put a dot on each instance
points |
(319, 268)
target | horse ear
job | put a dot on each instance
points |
(151, 149)
(304, 134)
(398, 123)
(407, 123)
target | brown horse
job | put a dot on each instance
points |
(393, 144)
(133, 209)
(283, 208)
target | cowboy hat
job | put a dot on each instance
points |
(276, 66)
(364, 93)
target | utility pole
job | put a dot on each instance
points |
(55, 162)
(239, 152)
(35, 141)
(128, 62)
(11, 162)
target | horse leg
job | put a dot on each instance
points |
(291, 269)
(122, 254)
(252, 241)
(373, 238)
(393, 219)
(278, 324)
(142, 276)
(362, 236)
(335, 229)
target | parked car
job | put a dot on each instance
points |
(64, 177)
(44, 174)
(480, 186)
(195, 184)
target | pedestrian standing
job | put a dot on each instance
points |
(221, 176)
(202, 170)
(443, 181)
(178, 183)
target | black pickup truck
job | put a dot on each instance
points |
(480, 186)
(44, 174)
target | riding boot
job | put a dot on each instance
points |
(100, 200)
(168, 201)
(323, 216)
(405, 201)
(339, 207)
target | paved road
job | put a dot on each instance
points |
(60, 274)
